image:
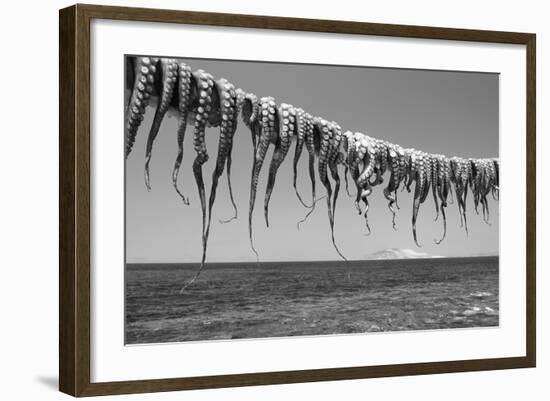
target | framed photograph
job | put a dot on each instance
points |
(250, 200)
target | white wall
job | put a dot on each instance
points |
(28, 205)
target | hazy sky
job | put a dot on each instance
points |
(453, 113)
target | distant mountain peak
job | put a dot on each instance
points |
(398, 253)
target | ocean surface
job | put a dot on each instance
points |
(273, 299)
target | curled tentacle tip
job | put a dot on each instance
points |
(185, 200)
(182, 196)
(369, 231)
(228, 220)
(147, 180)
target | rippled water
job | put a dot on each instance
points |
(243, 300)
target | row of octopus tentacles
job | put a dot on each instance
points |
(203, 101)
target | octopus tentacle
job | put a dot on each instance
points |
(168, 76)
(333, 167)
(381, 161)
(184, 90)
(346, 181)
(333, 159)
(460, 178)
(368, 149)
(229, 185)
(419, 176)
(228, 125)
(495, 186)
(326, 134)
(474, 180)
(436, 183)
(310, 147)
(390, 192)
(145, 69)
(268, 133)
(411, 171)
(250, 113)
(240, 95)
(443, 190)
(465, 174)
(300, 140)
(427, 159)
(311, 210)
(312, 150)
(205, 86)
(487, 187)
(287, 130)
(349, 146)
(367, 156)
(354, 158)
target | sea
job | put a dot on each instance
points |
(280, 299)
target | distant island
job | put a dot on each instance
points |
(397, 253)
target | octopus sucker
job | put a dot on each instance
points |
(184, 83)
(168, 77)
(287, 130)
(268, 132)
(145, 71)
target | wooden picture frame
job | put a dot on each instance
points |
(74, 200)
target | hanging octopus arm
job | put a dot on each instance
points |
(202, 101)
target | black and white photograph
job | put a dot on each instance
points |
(269, 199)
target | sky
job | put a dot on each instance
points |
(448, 112)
